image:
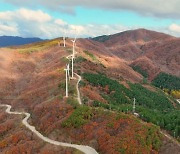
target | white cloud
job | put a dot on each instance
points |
(25, 14)
(36, 23)
(158, 8)
(28, 23)
(32, 23)
(174, 28)
(60, 22)
(30, 15)
(6, 15)
(4, 29)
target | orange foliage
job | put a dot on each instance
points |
(90, 93)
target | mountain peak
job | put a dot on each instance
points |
(134, 35)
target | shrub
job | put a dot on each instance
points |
(72, 89)
(69, 50)
(140, 70)
(167, 81)
(90, 54)
(79, 117)
(73, 102)
(80, 59)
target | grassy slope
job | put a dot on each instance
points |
(39, 46)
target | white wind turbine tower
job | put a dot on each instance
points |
(74, 43)
(67, 79)
(73, 55)
(68, 71)
(64, 39)
(72, 70)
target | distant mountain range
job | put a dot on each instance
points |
(15, 40)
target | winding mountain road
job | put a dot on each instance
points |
(77, 85)
(77, 88)
(82, 148)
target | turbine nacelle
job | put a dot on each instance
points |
(74, 40)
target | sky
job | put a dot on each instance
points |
(49, 19)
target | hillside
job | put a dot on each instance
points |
(15, 40)
(33, 80)
(130, 45)
(153, 51)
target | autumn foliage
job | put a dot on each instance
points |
(114, 133)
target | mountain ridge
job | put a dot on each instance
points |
(131, 33)
(16, 40)
(159, 49)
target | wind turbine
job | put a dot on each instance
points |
(66, 69)
(64, 39)
(74, 42)
(72, 70)
(73, 55)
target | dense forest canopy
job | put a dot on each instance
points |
(152, 106)
(164, 80)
